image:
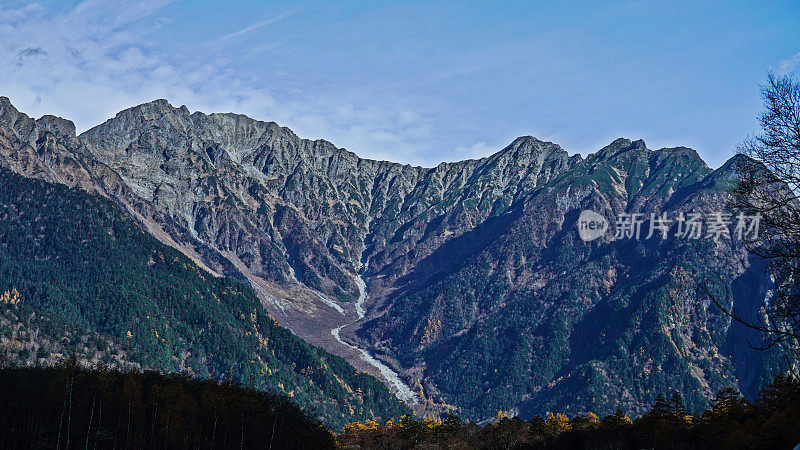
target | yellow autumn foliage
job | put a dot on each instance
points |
(558, 423)
(12, 297)
(430, 423)
(502, 415)
(357, 427)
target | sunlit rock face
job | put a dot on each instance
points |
(481, 293)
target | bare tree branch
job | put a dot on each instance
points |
(768, 185)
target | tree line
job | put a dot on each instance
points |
(772, 421)
(73, 407)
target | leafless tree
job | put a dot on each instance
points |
(768, 185)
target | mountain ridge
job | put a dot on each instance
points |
(303, 221)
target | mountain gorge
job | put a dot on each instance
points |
(464, 286)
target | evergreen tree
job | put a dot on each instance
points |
(678, 412)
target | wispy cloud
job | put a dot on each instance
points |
(788, 65)
(254, 26)
(475, 151)
(88, 63)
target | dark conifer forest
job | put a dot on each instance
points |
(71, 407)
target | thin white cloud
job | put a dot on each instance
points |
(788, 65)
(475, 151)
(255, 26)
(8, 15)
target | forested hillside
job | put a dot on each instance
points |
(76, 258)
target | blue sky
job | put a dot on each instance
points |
(417, 82)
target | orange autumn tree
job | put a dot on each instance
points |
(357, 427)
(12, 297)
(558, 423)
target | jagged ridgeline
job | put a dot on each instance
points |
(96, 286)
(480, 295)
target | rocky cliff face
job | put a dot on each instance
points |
(530, 316)
(479, 292)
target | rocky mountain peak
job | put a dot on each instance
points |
(158, 105)
(626, 148)
(527, 151)
(9, 115)
(58, 126)
(147, 113)
(619, 146)
(526, 144)
(5, 102)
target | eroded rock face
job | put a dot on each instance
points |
(480, 292)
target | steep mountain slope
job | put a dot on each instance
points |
(539, 320)
(76, 258)
(478, 291)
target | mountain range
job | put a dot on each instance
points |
(463, 287)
